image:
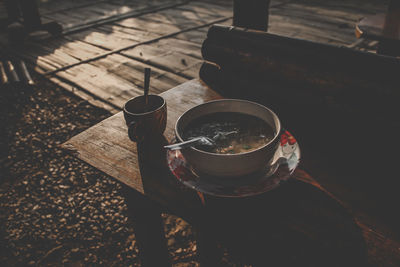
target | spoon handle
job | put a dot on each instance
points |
(147, 72)
(183, 144)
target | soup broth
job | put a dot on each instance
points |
(232, 132)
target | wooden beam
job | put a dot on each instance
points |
(330, 68)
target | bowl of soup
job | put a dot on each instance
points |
(245, 137)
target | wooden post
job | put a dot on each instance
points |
(30, 13)
(149, 230)
(210, 254)
(13, 11)
(391, 29)
(251, 14)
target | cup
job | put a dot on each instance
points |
(145, 120)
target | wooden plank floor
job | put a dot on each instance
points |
(107, 43)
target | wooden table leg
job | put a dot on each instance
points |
(149, 230)
(209, 252)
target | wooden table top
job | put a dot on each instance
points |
(106, 146)
(301, 212)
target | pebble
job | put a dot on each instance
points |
(56, 199)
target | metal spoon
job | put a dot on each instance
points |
(147, 72)
(198, 140)
(223, 135)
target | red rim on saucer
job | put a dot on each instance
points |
(285, 161)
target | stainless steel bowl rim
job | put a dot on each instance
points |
(277, 134)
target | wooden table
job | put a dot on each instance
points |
(299, 223)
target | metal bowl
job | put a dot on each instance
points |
(230, 165)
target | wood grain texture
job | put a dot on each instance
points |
(333, 68)
(86, 16)
(116, 78)
(118, 155)
(102, 27)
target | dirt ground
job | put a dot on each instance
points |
(54, 209)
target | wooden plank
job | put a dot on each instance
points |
(354, 6)
(181, 63)
(182, 46)
(96, 11)
(59, 6)
(64, 19)
(94, 100)
(323, 33)
(96, 19)
(166, 81)
(139, 35)
(54, 54)
(115, 79)
(208, 8)
(222, 3)
(316, 15)
(119, 64)
(195, 36)
(75, 48)
(132, 2)
(113, 36)
(328, 22)
(192, 71)
(3, 74)
(151, 26)
(132, 71)
(149, 3)
(145, 52)
(47, 58)
(331, 10)
(174, 62)
(312, 23)
(102, 39)
(105, 9)
(334, 67)
(105, 85)
(176, 16)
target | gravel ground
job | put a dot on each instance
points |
(54, 209)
